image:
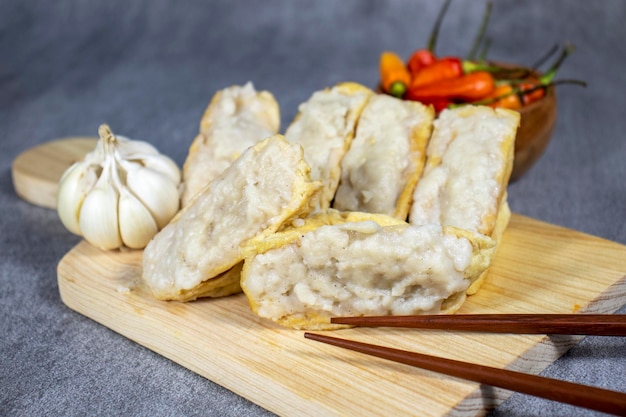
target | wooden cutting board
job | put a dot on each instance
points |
(540, 268)
(37, 171)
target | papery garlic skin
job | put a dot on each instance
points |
(121, 194)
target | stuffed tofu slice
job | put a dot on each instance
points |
(386, 158)
(360, 264)
(324, 127)
(468, 166)
(194, 254)
(237, 118)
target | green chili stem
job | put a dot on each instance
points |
(470, 66)
(483, 52)
(549, 75)
(545, 57)
(397, 89)
(432, 41)
(481, 31)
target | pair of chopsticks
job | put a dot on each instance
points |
(571, 324)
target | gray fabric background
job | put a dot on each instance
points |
(149, 68)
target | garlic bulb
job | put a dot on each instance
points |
(121, 194)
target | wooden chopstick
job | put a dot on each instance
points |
(573, 324)
(552, 389)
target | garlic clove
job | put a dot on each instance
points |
(134, 149)
(164, 165)
(74, 185)
(156, 192)
(136, 224)
(98, 218)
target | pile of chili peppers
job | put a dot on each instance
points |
(451, 81)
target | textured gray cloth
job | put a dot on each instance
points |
(149, 68)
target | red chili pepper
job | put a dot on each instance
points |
(453, 67)
(518, 93)
(425, 57)
(443, 69)
(440, 104)
(446, 68)
(528, 88)
(512, 96)
(420, 59)
(530, 93)
(470, 87)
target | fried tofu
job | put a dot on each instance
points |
(356, 264)
(268, 186)
(324, 127)
(468, 166)
(237, 118)
(386, 157)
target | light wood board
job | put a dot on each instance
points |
(37, 171)
(540, 268)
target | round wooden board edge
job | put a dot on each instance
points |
(32, 182)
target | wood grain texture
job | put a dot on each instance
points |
(36, 172)
(540, 268)
(589, 397)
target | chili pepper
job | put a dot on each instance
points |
(512, 97)
(420, 59)
(532, 89)
(543, 80)
(470, 87)
(529, 93)
(425, 57)
(515, 97)
(440, 70)
(440, 104)
(446, 68)
(394, 76)
(505, 96)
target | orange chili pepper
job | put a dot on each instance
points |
(446, 68)
(518, 93)
(530, 92)
(512, 96)
(505, 96)
(394, 76)
(441, 70)
(470, 87)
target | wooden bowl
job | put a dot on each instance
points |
(536, 126)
